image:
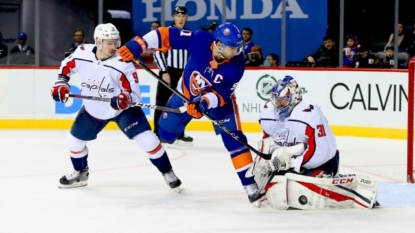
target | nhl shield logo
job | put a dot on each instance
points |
(165, 115)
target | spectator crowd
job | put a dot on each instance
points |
(356, 53)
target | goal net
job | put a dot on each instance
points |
(411, 109)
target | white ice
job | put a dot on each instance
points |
(127, 194)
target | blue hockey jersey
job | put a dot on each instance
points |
(202, 73)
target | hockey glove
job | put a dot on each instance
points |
(280, 161)
(60, 88)
(120, 102)
(133, 49)
(284, 158)
(197, 107)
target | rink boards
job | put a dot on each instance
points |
(368, 103)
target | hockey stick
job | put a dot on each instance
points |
(265, 156)
(135, 104)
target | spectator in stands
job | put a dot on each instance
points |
(365, 59)
(155, 25)
(79, 37)
(211, 28)
(248, 44)
(255, 57)
(325, 56)
(404, 41)
(388, 61)
(273, 60)
(410, 31)
(148, 56)
(22, 47)
(3, 47)
(350, 51)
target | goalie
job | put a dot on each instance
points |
(303, 170)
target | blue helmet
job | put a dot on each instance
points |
(229, 35)
(286, 94)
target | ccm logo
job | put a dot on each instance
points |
(342, 181)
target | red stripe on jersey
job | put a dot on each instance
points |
(125, 84)
(330, 194)
(69, 66)
(311, 144)
(155, 150)
(265, 135)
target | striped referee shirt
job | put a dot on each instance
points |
(174, 58)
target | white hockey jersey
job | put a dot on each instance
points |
(306, 124)
(104, 79)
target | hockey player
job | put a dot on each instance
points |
(104, 74)
(304, 148)
(215, 66)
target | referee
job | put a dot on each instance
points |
(171, 65)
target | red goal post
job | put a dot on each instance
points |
(411, 109)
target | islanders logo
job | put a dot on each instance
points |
(226, 31)
(198, 83)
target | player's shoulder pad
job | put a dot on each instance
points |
(305, 110)
(85, 48)
(82, 51)
(267, 110)
(117, 63)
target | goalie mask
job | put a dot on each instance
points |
(106, 32)
(286, 94)
(231, 40)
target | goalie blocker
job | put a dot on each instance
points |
(310, 193)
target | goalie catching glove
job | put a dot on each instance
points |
(198, 107)
(121, 101)
(60, 89)
(285, 158)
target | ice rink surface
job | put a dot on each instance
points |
(126, 193)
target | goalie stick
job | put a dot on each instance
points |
(166, 109)
(265, 156)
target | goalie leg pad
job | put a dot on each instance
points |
(277, 193)
(343, 192)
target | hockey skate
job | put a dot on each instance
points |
(254, 196)
(172, 180)
(184, 141)
(75, 179)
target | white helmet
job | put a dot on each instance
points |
(286, 94)
(105, 32)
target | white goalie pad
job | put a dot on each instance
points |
(277, 194)
(310, 193)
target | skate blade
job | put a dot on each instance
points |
(258, 203)
(75, 185)
(182, 143)
(177, 190)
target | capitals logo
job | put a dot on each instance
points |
(198, 84)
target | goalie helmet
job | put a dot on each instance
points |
(106, 32)
(229, 35)
(286, 94)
